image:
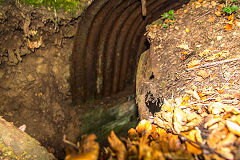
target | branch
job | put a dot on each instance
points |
(214, 63)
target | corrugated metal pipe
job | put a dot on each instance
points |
(108, 42)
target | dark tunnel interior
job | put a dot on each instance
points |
(108, 42)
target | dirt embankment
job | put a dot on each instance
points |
(35, 54)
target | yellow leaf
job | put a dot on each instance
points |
(144, 126)
(220, 91)
(195, 136)
(203, 73)
(218, 13)
(187, 30)
(193, 63)
(231, 17)
(204, 53)
(186, 98)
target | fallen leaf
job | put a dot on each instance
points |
(216, 108)
(192, 147)
(220, 91)
(237, 23)
(217, 135)
(132, 134)
(193, 63)
(183, 46)
(89, 149)
(144, 126)
(211, 19)
(233, 127)
(218, 13)
(229, 140)
(228, 27)
(231, 17)
(204, 53)
(117, 146)
(226, 152)
(193, 93)
(203, 73)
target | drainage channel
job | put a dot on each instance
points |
(108, 43)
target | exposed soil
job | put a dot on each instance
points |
(34, 73)
(198, 33)
(34, 70)
(35, 58)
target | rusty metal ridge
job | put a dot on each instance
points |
(108, 42)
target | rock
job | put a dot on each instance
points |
(42, 68)
(39, 60)
(1, 73)
(24, 51)
(30, 78)
(11, 57)
(69, 32)
(58, 114)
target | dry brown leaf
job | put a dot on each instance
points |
(183, 46)
(204, 53)
(195, 136)
(193, 93)
(226, 152)
(216, 108)
(203, 73)
(216, 136)
(178, 124)
(237, 23)
(211, 122)
(117, 146)
(89, 149)
(144, 150)
(211, 19)
(233, 127)
(199, 79)
(229, 140)
(132, 134)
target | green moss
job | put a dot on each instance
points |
(70, 6)
(7, 152)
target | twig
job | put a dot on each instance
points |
(214, 63)
(70, 143)
(204, 15)
(211, 98)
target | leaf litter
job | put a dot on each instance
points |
(200, 114)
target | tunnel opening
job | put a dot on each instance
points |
(108, 43)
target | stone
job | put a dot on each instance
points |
(39, 60)
(11, 57)
(24, 51)
(42, 68)
(69, 32)
(30, 78)
(1, 73)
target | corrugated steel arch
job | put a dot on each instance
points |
(108, 42)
